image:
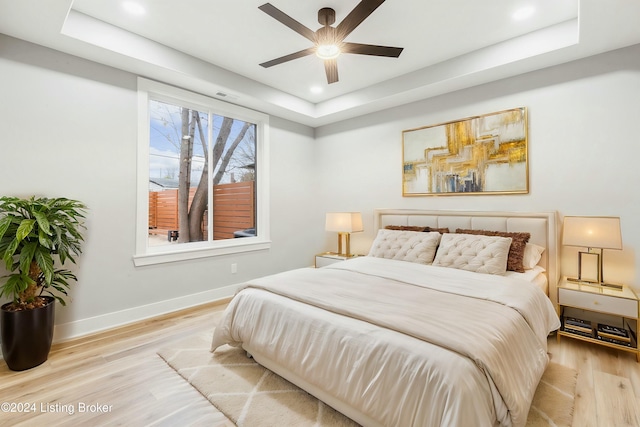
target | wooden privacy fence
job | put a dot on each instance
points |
(233, 210)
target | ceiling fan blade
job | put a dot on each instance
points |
(370, 49)
(356, 16)
(289, 57)
(331, 69)
(285, 19)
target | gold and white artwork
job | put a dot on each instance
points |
(478, 155)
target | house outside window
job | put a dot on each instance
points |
(202, 176)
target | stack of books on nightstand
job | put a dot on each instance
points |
(578, 327)
(613, 335)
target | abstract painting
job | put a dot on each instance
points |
(478, 155)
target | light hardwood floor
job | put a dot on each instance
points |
(608, 386)
(120, 368)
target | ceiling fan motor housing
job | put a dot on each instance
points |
(327, 36)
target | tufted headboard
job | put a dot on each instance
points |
(541, 226)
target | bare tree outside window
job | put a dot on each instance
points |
(183, 145)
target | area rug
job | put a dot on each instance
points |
(252, 396)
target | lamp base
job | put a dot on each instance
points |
(344, 250)
(338, 254)
(590, 282)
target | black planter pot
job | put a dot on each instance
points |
(27, 335)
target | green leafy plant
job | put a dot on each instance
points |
(35, 235)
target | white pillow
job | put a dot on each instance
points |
(473, 252)
(412, 246)
(532, 255)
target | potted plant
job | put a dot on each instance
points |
(36, 234)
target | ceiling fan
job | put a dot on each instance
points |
(329, 41)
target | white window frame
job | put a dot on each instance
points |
(147, 255)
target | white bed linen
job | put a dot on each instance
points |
(417, 353)
(534, 275)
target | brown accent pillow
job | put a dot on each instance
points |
(439, 230)
(516, 250)
(405, 227)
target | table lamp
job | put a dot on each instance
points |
(592, 232)
(344, 223)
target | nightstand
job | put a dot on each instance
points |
(600, 315)
(328, 258)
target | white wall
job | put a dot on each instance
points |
(69, 129)
(583, 151)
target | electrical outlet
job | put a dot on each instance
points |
(234, 268)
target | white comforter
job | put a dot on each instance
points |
(402, 343)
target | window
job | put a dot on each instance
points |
(202, 176)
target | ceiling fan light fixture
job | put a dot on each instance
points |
(328, 51)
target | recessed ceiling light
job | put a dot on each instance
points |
(316, 89)
(133, 8)
(523, 13)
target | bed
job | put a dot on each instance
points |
(420, 340)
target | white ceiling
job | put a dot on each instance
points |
(215, 46)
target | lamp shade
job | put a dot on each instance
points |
(592, 232)
(344, 222)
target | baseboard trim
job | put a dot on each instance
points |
(79, 328)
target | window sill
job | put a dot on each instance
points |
(234, 246)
